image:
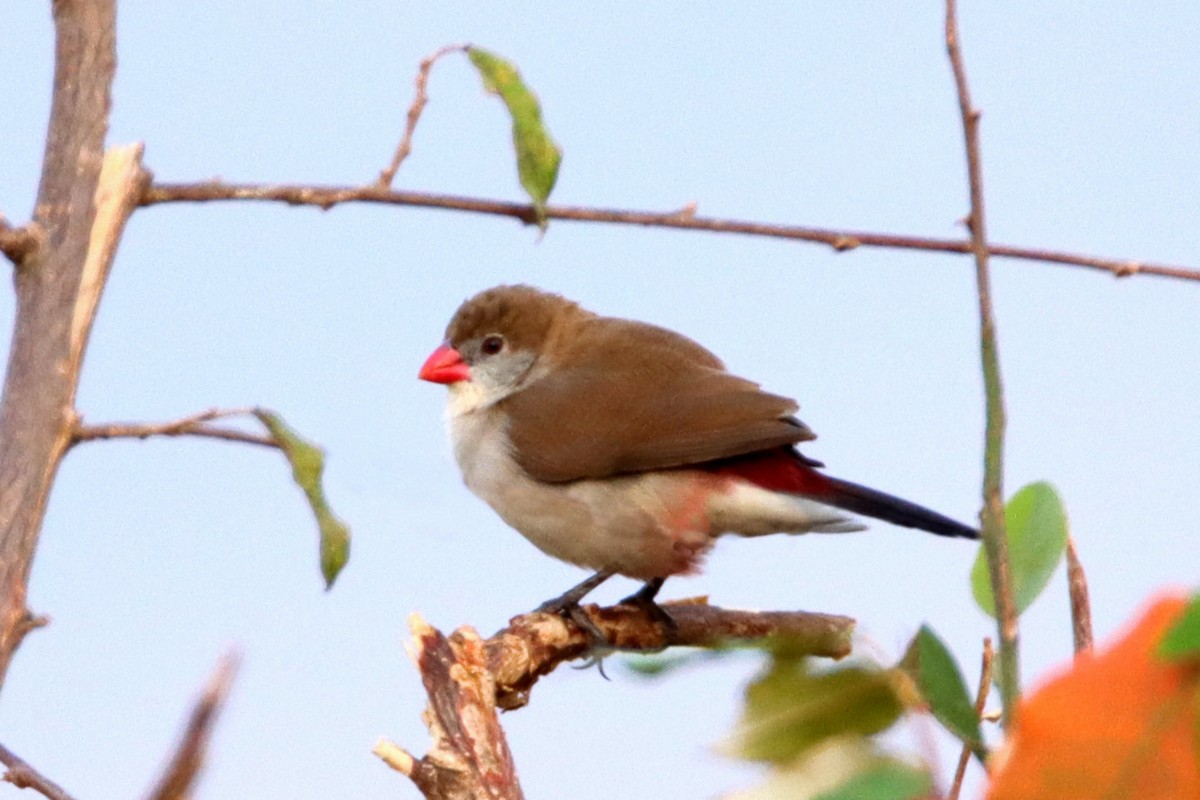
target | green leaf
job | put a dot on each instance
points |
(1037, 538)
(942, 685)
(1182, 640)
(791, 709)
(308, 464)
(887, 779)
(538, 156)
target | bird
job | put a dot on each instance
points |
(627, 448)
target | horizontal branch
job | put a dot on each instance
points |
(535, 644)
(326, 197)
(23, 776)
(194, 425)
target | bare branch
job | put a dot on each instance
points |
(23, 776)
(193, 425)
(995, 541)
(470, 759)
(414, 113)
(326, 197)
(468, 678)
(985, 686)
(1081, 606)
(535, 644)
(180, 775)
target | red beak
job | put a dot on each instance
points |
(444, 365)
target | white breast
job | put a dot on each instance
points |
(607, 524)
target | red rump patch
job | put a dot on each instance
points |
(779, 470)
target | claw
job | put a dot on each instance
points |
(644, 599)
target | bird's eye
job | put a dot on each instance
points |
(492, 345)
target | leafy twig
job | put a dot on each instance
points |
(995, 542)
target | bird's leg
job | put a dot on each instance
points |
(567, 605)
(644, 599)
(572, 596)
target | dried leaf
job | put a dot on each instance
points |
(1120, 724)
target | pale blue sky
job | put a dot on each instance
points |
(157, 556)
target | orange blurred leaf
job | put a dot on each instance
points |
(1120, 724)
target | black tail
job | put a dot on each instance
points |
(880, 505)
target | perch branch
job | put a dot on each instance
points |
(326, 197)
(995, 540)
(468, 678)
(193, 425)
(1081, 606)
(178, 779)
(414, 113)
(23, 776)
(985, 686)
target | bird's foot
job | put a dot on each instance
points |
(567, 606)
(644, 599)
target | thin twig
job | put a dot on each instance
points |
(995, 541)
(1081, 606)
(985, 686)
(23, 776)
(178, 779)
(193, 425)
(414, 113)
(326, 197)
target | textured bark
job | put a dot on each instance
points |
(58, 284)
(468, 679)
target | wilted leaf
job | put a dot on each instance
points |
(942, 685)
(1119, 724)
(308, 464)
(1037, 538)
(538, 156)
(791, 708)
(1182, 642)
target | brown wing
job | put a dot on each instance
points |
(628, 397)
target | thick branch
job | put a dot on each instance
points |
(57, 286)
(995, 540)
(468, 678)
(178, 779)
(326, 197)
(23, 776)
(535, 644)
